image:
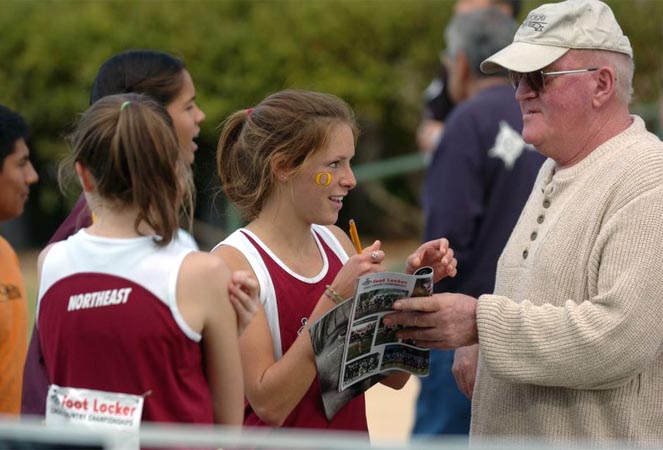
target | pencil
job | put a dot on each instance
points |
(355, 236)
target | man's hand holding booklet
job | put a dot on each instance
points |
(354, 349)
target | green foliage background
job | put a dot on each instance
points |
(378, 55)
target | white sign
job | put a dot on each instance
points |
(95, 409)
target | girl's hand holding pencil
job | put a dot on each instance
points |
(367, 260)
(354, 236)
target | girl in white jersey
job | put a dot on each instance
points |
(124, 290)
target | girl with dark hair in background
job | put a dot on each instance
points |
(165, 79)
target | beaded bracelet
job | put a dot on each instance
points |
(334, 296)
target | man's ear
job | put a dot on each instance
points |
(85, 177)
(459, 88)
(605, 86)
(463, 66)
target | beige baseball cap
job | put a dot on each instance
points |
(551, 30)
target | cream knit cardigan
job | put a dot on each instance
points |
(571, 341)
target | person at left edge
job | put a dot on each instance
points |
(16, 176)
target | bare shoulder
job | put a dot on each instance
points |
(234, 258)
(198, 268)
(202, 290)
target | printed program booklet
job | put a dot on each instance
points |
(354, 350)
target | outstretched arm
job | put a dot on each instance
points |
(203, 299)
(443, 321)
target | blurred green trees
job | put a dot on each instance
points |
(377, 55)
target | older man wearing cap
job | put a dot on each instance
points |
(570, 340)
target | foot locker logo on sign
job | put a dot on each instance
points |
(95, 409)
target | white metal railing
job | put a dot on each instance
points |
(33, 434)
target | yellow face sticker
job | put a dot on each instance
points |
(323, 178)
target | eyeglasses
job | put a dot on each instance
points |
(536, 80)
